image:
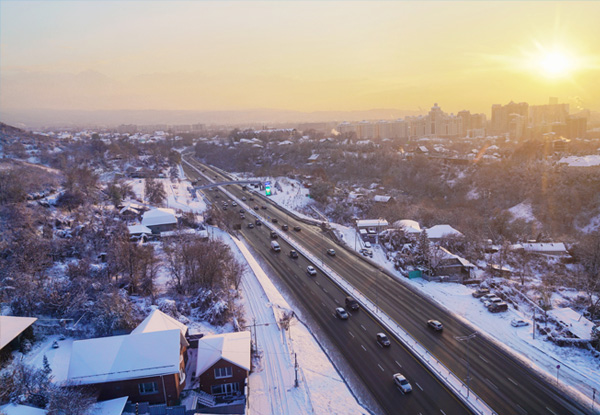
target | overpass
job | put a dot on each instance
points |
(206, 186)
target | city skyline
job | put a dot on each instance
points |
(296, 56)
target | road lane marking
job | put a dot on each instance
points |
(363, 347)
(419, 386)
(324, 305)
(521, 410)
(351, 334)
(363, 327)
(336, 301)
(484, 359)
(325, 290)
(317, 282)
(491, 383)
(515, 383)
(551, 411)
(442, 412)
(399, 365)
(380, 367)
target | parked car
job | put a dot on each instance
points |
(368, 244)
(311, 270)
(436, 325)
(487, 297)
(297, 228)
(498, 307)
(285, 227)
(367, 252)
(293, 254)
(331, 252)
(492, 301)
(341, 313)
(402, 383)
(519, 323)
(383, 340)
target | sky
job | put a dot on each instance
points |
(294, 55)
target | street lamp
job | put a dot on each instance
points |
(557, 370)
(468, 340)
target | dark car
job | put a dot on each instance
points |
(251, 199)
(244, 198)
(255, 207)
(274, 220)
(293, 254)
(284, 227)
(242, 210)
(273, 235)
(258, 222)
(352, 304)
(383, 340)
(250, 225)
(297, 228)
(263, 207)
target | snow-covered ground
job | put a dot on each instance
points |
(579, 369)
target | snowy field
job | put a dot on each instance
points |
(579, 369)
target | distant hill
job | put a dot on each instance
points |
(39, 118)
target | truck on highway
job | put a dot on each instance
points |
(275, 246)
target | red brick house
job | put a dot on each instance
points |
(146, 366)
(224, 363)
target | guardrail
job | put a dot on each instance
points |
(446, 376)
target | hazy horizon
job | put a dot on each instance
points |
(296, 56)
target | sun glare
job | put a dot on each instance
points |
(556, 65)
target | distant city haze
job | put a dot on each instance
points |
(293, 58)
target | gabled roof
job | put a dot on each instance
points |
(232, 347)
(110, 407)
(159, 216)
(135, 229)
(547, 247)
(11, 327)
(439, 231)
(159, 321)
(381, 198)
(408, 225)
(14, 409)
(575, 322)
(371, 222)
(132, 356)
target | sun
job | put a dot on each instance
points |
(556, 64)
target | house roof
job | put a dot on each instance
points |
(550, 247)
(445, 254)
(159, 216)
(409, 226)
(132, 356)
(381, 198)
(233, 347)
(439, 231)
(159, 321)
(371, 222)
(11, 327)
(14, 409)
(139, 229)
(110, 407)
(575, 322)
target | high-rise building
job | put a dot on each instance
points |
(501, 115)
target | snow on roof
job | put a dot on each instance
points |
(159, 216)
(135, 229)
(365, 223)
(132, 356)
(549, 247)
(159, 321)
(409, 226)
(110, 407)
(14, 409)
(382, 199)
(445, 254)
(313, 157)
(423, 149)
(584, 161)
(575, 322)
(439, 231)
(11, 327)
(233, 347)
(285, 143)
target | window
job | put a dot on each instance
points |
(148, 388)
(223, 372)
(226, 389)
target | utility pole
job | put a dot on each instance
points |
(468, 340)
(534, 323)
(255, 342)
(593, 398)
(296, 369)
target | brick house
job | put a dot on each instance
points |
(224, 363)
(146, 366)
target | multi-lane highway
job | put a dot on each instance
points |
(504, 382)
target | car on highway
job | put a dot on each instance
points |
(351, 303)
(274, 235)
(284, 227)
(331, 252)
(244, 198)
(242, 211)
(217, 196)
(311, 270)
(402, 383)
(293, 254)
(297, 228)
(233, 204)
(242, 216)
(250, 225)
(255, 207)
(251, 199)
(258, 222)
(341, 313)
(263, 207)
(383, 340)
(274, 220)
(436, 325)
(518, 323)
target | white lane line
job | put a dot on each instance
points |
(551, 411)
(399, 365)
(442, 412)
(363, 347)
(419, 386)
(351, 334)
(325, 290)
(363, 327)
(317, 282)
(336, 301)
(513, 382)
(484, 359)
(491, 384)
(380, 367)
(521, 410)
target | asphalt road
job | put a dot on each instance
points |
(502, 381)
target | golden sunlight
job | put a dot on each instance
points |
(556, 64)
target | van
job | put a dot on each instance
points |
(275, 246)
(351, 303)
(498, 307)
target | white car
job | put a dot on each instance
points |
(368, 244)
(519, 323)
(487, 297)
(491, 301)
(341, 313)
(311, 270)
(402, 383)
